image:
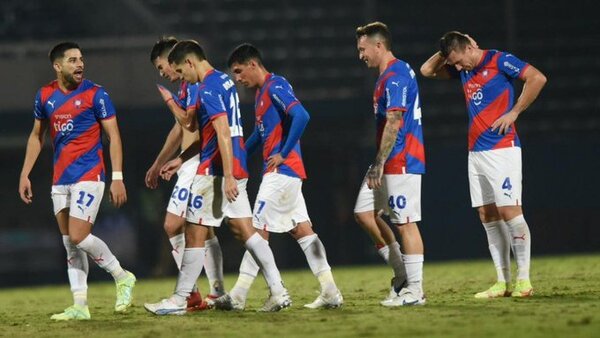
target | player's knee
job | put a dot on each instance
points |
(77, 238)
(510, 212)
(488, 213)
(362, 218)
(301, 230)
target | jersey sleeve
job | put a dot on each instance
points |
(191, 99)
(282, 95)
(103, 106)
(510, 65)
(38, 107)
(213, 102)
(396, 90)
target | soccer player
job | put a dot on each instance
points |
(219, 187)
(279, 206)
(76, 111)
(494, 147)
(393, 182)
(180, 138)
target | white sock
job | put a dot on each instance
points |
(248, 272)
(396, 261)
(101, 254)
(499, 245)
(384, 252)
(213, 265)
(414, 270)
(317, 261)
(178, 244)
(520, 240)
(262, 254)
(77, 271)
(191, 268)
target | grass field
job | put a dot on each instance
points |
(566, 304)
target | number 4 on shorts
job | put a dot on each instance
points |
(506, 185)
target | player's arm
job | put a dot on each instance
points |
(185, 117)
(388, 139)
(35, 143)
(221, 126)
(435, 67)
(300, 119)
(534, 82)
(170, 168)
(118, 195)
(172, 144)
(253, 141)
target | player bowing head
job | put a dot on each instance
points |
(159, 58)
(185, 57)
(459, 50)
(245, 63)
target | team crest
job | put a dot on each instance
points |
(485, 73)
(77, 103)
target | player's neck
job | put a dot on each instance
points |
(203, 68)
(385, 61)
(262, 77)
(65, 85)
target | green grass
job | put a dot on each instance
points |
(566, 304)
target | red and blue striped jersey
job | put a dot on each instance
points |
(185, 93)
(217, 96)
(489, 94)
(273, 102)
(74, 122)
(397, 89)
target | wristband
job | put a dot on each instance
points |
(167, 102)
(117, 175)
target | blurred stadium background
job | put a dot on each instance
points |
(311, 43)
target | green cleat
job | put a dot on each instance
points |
(74, 312)
(125, 292)
(500, 289)
(523, 288)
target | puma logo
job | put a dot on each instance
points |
(51, 103)
(519, 237)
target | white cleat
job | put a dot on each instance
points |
(406, 297)
(277, 303)
(228, 303)
(325, 301)
(166, 307)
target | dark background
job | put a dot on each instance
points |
(312, 44)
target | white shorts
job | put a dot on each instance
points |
(495, 177)
(279, 205)
(399, 197)
(83, 199)
(208, 205)
(180, 197)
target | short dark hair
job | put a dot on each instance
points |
(59, 50)
(162, 46)
(184, 48)
(453, 40)
(244, 53)
(376, 29)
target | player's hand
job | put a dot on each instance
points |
(118, 195)
(230, 188)
(170, 168)
(25, 190)
(275, 161)
(504, 122)
(472, 41)
(374, 175)
(164, 92)
(152, 176)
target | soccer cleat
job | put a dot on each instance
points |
(276, 303)
(166, 307)
(228, 303)
(195, 302)
(500, 289)
(210, 300)
(406, 297)
(125, 292)
(397, 284)
(325, 301)
(522, 289)
(74, 312)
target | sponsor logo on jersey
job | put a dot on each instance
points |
(512, 67)
(102, 108)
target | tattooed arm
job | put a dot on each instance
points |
(388, 139)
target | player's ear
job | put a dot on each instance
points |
(189, 62)
(56, 66)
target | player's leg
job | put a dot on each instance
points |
(403, 194)
(83, 211)
(77, 261)
(367, 212)
(507, 183)
(213, 265)
(483, 199)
